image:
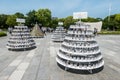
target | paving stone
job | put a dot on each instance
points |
(40, 64)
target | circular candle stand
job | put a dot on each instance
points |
(59, 34)
(79, 52)
(20, 39)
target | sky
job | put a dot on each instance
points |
(62, 8)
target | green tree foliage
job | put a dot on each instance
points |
(99, 19)
(68, 21)
(3, 19)
(117, 21)
(112, 22)
(31, 18)
(19, 15)
(90, 19)
(44, 17)
(117, 17)
(61, 19)
(54, 22)
(11, 20)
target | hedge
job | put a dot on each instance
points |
(3, 34)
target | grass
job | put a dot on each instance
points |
(109, 32)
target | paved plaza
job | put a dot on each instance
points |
(40, 63)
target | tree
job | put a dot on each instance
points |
(11, 20)
(117, 21)
(99, 19)
(44, 17)
(68, 21)
(3, 19)
(31, 18)
(19, 15)
(90, 19)
(61, 19)
(110, 23)
(54, 22)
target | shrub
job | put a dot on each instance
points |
(3, 34)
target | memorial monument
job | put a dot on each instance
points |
(37, 32)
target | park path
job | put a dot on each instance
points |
(40, 63)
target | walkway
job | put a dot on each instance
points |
(40, 63)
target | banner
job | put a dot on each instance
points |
(60, 23)
(20, 20)
(80, 15)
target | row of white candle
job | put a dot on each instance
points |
(80, 51)
(79, 58)
(79, 65)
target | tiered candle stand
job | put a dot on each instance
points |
(59, 34)
(79, 52)
(20, 39)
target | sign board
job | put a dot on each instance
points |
(20, 20)
(60, 23)
(80, 15)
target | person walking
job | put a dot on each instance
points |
(95, 31)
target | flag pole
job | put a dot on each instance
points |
(109, 12)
